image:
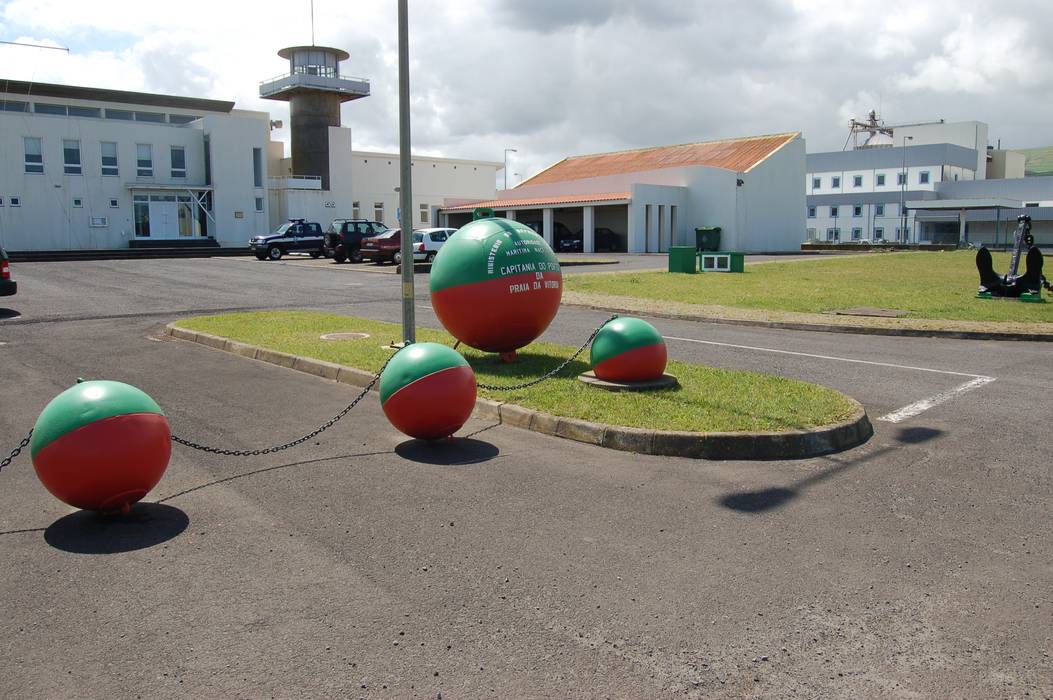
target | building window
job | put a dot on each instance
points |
(75, 111)
(857, 181)
(178, 161)
(378, 211)
(114, 204)
(259, 204)
(424, 213)
(879, 210)
(1030, 204)
(835, 182)
(16, 201)
(880, 180)
(144, 160)
(879, 234)
(833, 212)
(833, 234)
(34, 155)
(44, 108)
(155, 117)
(811, 212)
(857, 233)
(141, 215)
(901, 179)
(1, 201)
(121, 114)
(817, 182)
(109, 158)
(257, 167)
(98, 222)
(355, 210)
(923, 177)
(857, 210)
(13, 106)
(181, 118)
(811, 234)
(78, 202)
(71, 157)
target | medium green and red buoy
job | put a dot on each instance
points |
(496, 285)
(427, 391)
(628, 349)
(101, 445)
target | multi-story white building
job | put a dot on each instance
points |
(860, 194)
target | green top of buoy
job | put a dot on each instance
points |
(87, 402)
(622, 335)
(414, 362)
(489, 249)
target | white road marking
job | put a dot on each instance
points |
(909, 411)
(425, 306)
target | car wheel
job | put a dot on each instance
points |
(274, 253)
(397, 258)
(339, 255)
(356, 256)
(315, 254)
(261, 256)
(429, 257)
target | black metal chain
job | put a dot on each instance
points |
(299, 441)
(550, 373)
(17, 451)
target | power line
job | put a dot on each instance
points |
(35, 46)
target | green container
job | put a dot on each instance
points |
(682, 259)
(738, 262)
(721, 262)
(707, 238)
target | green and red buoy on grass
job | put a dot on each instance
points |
(427, 391)
(101, 445)
(496, 285)
(628, 349)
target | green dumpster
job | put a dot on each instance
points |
(707, 238)
(682, 259)
(721, 262)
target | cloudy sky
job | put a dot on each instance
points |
(561, 77)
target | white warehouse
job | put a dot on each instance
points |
(648, 199)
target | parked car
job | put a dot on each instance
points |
(385, 247)
(427, 241)
(563, 241)
(297, 236)
(343, 240)
(7, 285)
(605, 239)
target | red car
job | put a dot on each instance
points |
(387, 247)
(7, 285)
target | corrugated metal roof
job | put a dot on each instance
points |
(739, 155)
(541, 201)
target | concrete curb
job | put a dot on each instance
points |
(795, 444)
(828, 327)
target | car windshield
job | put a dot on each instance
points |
(418, 236)
(390, 233)
(283, 228)
(381, 228)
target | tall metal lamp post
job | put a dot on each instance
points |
(409, 330)
(507, 151)
(903, 192)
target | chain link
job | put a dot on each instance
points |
(17, 451)
(550, 373)
(299, 441)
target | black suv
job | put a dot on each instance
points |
(296, 236)
(343, 240)
(563, 240)
(7, 285)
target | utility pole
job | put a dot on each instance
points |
(507, 151)
(903, 192)
(409, 330)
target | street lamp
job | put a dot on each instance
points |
(903, 192)
(507, 151)
(409, 324)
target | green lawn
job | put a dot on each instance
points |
(708, 400)
(932, 285)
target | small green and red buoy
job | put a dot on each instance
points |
(101, 445)
(427, 391)
(496, 285)
(628, 349)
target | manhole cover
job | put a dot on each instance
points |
(345, 336)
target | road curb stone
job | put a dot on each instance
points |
(796, 444)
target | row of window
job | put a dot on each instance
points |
(378, 212)
(78, 202)
(879, 180)
(857, 210)
(72, 165)
(834, 233)
(96, 112)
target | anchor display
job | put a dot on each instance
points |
(1013, 285)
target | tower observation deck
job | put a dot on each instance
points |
(314, 89)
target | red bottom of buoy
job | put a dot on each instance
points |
(435, 406)
(637, 365)
(107, 465)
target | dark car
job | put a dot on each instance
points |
(605, 240)
(343, 240)
(296, 236)
(563, 241)
(385, 247)
(7, 285)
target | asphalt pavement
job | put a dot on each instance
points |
(507, 563)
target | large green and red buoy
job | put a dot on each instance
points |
(427, 391)
(496, 285)
(628, 349)
(101, 445)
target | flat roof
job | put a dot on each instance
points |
(75, 92)
(959, 204)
